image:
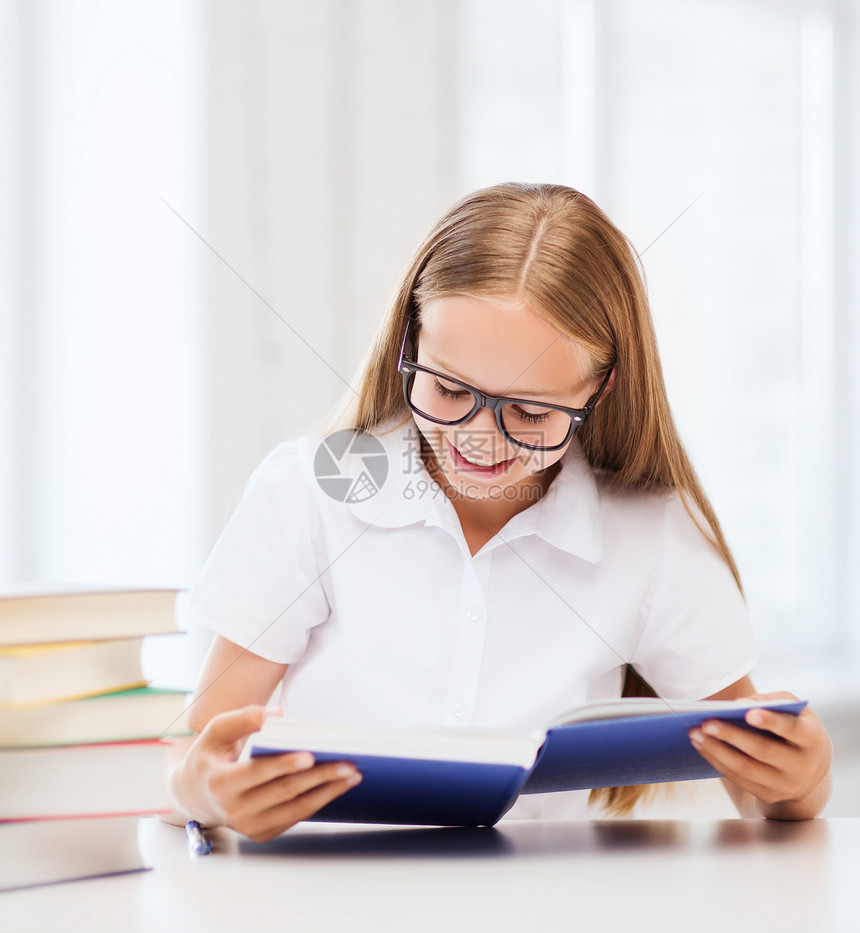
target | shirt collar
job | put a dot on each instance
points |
(407, 494)
(567, 516)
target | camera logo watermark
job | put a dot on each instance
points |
(350, 466)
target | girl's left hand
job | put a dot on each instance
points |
(788, 775)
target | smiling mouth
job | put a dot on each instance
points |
(475, 465)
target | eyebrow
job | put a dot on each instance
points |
(519, 393)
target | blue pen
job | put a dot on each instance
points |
(197, 841)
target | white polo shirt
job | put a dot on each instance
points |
(385, 617)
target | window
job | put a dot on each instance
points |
(709, 133)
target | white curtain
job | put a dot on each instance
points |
(102, 311)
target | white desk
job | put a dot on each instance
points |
(731, 875)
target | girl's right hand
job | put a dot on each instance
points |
(259, 797)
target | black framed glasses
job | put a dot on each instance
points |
(445, 400)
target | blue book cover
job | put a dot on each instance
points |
(650, 749)
(424, 792)
(473, 777)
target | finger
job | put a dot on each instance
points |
(733, 763)
(284, 815)
(765, 748)
(224, 730)
(254, 772)
(243, 805)
(749, 775)
(289, 787)
(785, 725)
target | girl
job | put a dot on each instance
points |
(528, 534)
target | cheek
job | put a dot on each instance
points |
(429, 431)
(434, 435)
(535, 461)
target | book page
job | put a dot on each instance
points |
(652, 706)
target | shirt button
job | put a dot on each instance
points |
(458, 709)
(473, 615)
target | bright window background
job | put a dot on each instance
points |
(712, 134)
(207, 205)
(101, 301)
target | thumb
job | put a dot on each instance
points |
(226, 729)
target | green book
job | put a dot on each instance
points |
(124, 716)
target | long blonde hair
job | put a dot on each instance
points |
(554, 249)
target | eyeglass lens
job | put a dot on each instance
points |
(448, 401)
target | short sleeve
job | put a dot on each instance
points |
(261, 587)
(697, 638)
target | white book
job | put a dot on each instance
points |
(116, 778)
(30, 615)
(42, 852)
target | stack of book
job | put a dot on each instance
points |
(83, 737)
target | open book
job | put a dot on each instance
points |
(472, 777)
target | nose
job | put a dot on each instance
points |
(481, 436)
(484, 419)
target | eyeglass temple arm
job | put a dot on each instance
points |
(589, 405)
(405, 340)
